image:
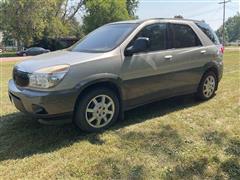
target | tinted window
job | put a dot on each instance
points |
(209, 32)
(183, 36)
(157, 34)
(35, 49)
(31, 49)
(104, 38)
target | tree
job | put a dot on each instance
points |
(31, 20)
(23, 19)
(131, 7)
(100, 12)
(178, 17)
(232, 29)
(1, 15)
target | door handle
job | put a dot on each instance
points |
(168, 57)
(203, 52)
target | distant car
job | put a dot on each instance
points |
(33, 51)
(1, 50)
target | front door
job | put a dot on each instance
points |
(145, 74)
(189, 56)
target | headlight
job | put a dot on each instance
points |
(48, 77)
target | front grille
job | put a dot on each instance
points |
(20, 78)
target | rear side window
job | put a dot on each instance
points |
(183, 36)
(209, 32)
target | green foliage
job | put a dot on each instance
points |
(24, 19)
(100, 12)
(29, 21)
(232, 29)
(61, 21)
(56, 28)
(131, 7)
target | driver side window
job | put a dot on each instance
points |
(157, 34)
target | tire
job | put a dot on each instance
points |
(208, 86)
(24, 54)
(91, 115)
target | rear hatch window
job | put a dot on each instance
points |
(209, 32)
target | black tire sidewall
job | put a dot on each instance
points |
(200, 94)
(79, 117)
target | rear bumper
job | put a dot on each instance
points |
(43, 104)
(220, 71)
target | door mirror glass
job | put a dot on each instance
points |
(141, 44)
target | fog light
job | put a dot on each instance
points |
(38, 109)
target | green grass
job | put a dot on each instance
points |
(8, 54)
(178, 138)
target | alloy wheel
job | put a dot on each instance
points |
(100, 111)
(209, 86)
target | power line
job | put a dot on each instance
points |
(223, 30)
(232, 8)
(205, 12)
(213, 20)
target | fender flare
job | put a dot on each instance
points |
(210, 65)
(100, 78)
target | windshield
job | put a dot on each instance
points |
(104, 38)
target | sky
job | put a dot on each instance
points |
(208, 10)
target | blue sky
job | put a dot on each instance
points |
(208, 10)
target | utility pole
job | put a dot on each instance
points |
(223, 30)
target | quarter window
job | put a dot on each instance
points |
(209, 32)
(183, 36)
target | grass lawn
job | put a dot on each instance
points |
(8, 54)
(178, 138)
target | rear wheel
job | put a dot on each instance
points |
(97, 110)
(207, 86)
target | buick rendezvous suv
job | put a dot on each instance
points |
(117, 67)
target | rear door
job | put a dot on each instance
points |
(188, 56)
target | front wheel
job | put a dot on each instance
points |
(96, 110)
(207, 86)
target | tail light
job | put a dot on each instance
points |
(221, 49)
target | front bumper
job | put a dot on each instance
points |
(43, 104)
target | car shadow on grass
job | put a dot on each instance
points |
(22, 136)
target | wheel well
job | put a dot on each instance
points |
(213, 69)
(109, 85)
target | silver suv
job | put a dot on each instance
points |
(117, 67)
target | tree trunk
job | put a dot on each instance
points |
(19, 45)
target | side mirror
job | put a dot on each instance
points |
(141, 44)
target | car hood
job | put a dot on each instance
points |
(57, 58)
